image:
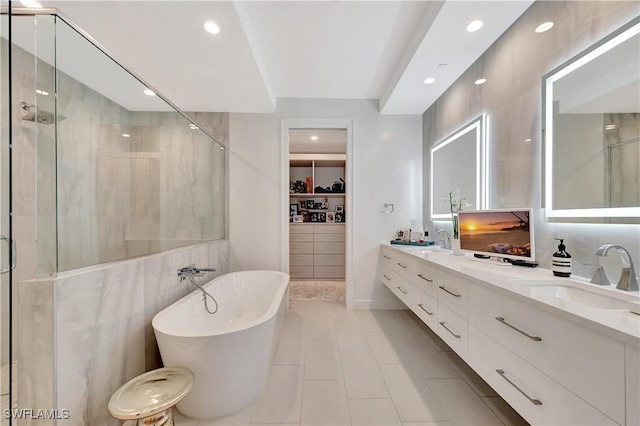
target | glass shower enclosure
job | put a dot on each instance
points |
(102, 166)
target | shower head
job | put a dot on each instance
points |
(36, 115)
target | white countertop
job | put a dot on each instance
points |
(616, 323)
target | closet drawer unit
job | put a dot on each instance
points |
(387, 257)
(301, 238)
(398, 285)
(328, 271)
(301, 248)
(454, 330)
(425, 307)
(301, 271)
(328, 248)
(301, 260)
(533, 394)
(328, 259)
(328, 238)
(329, 229)
(426, 279)
(574, 356)
(300, 229)
(453, 292)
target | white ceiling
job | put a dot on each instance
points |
(301, 49)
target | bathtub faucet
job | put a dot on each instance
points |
(193, 271)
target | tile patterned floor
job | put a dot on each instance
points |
(340, 367)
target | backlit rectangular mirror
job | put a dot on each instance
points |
(591, 125)
(458, 162)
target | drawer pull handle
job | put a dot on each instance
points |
(387, 277)
(531, 400)
(402, 290)
(385, 256)
(422, 307)
(450, 292)
(534, 338)
(457, 336)
(402, 265)
(425, 278)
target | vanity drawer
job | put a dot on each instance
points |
(588, 363)
(454, 330)
(328, 260)
(300, 229)
(301, 260)
(301, 271)
(301, 238)
(328, 248)
(425, 307)
(403, 265)
(426, 279)
(537, 397)
(397, 285)
(328, 271)
(453, 292)
(301, 248)
(330, 238)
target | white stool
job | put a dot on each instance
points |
(149, 397)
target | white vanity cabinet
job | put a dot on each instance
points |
(552, 367)
(537, 397)
(589, 364)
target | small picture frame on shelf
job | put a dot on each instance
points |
(310, 204)
(340, 209)
(313, 217)
(322, 217)
(325, 204)
(317, 206)
(339, 217)
(293, 209)
(297, 218)
(303, 204)
(305, 215)
(331, 216)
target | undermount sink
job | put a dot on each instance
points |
(568, 290)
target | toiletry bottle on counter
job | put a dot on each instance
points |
(561, 262)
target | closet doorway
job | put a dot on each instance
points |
(318, 206)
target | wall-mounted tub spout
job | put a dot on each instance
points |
(37, 115)
(190, 272)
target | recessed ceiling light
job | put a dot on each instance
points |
(149, 92)
(527, 140)
(480, 81)
(212, 27)
(222, 147)
(442, 66)
(193, 127)
(429, 80)
(474, 26)
(314, 138)
(126, 135)
(546, 26)
(42, 92)
(33, 4)
(610, 126)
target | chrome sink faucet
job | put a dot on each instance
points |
(628, 280)
(446, 243)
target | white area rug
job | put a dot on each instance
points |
(316, 290)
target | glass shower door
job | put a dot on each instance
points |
(6, 249)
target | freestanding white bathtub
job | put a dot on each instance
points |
(231, 351)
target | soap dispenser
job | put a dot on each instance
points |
(561, 262)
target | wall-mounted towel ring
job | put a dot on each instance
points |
(388, 208)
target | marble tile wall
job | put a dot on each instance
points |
(511, 97)
(115, 197)
(91, 330)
